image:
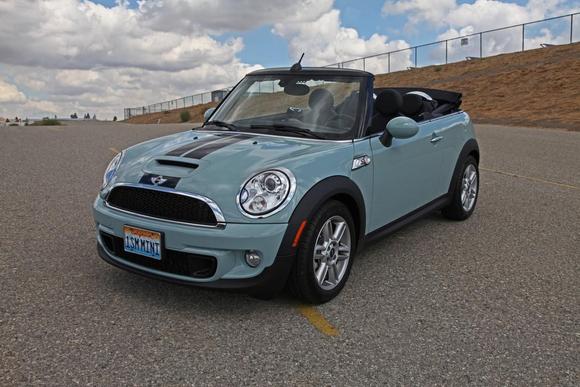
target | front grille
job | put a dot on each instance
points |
(162, 205)
(175, 262)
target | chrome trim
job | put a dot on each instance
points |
(219, 216)
(360, 161)
(281, 206)
(108, 183)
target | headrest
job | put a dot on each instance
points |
(388, 102)
(412, 105)
(321, 99)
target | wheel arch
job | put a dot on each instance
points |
(470, 148)
(340, 188)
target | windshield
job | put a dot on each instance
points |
(317, 106)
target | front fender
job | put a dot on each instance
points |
(338, 187)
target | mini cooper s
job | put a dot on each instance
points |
(292, 173)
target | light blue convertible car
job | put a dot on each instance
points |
(285, 181)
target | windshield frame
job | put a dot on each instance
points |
(319, 74)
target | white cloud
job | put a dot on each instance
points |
(186, 16)
(10, 93)
(417, 11)
(325, 41)
(107, 91)
(455, 20)
(82, 35)
(75, 54)
(63, 56)
(481, 14)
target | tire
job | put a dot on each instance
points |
(332, 252)
(461, 207)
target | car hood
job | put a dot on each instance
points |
(216, 164)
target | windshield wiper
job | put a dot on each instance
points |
(222, 124)
(287, 128)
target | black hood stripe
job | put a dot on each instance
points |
(202, 151)
(198, 143)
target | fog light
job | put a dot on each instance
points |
(253, 258)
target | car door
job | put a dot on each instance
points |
(405, 175)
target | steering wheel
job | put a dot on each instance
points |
(340, 119)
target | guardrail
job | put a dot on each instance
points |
(519, 37)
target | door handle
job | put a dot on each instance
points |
(436, 138)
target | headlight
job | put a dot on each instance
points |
(267, 192)
(111, 170)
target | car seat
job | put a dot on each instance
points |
(386, 107)
(417, 107)
(321, 103)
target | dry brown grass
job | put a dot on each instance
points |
(172, 116)
(533, 88)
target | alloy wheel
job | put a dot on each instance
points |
(332, 252)
(469, 185)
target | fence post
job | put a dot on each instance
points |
(446, 54)
(365, 67)
(571, 27)
(415, 56)
(481, 45)
(389, 61)
(523, 37)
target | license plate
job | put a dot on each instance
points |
(142, 242)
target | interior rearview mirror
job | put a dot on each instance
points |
(399, 127)
(208, 113)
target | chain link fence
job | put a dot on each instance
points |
(192, 100)
(520, 37)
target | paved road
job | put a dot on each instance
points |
(494, 300)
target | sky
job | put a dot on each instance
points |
(63, 56)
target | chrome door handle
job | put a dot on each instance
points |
(436, 139)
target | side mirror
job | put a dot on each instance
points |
(208, 113)
(399, 127)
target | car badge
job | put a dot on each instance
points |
(158, 180)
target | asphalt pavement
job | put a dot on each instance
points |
(494, 300)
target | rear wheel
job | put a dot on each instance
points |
(465, 192)
(325, 255)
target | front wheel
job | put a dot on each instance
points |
(465, 192)
(325, 255)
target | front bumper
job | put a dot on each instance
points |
(228, 245)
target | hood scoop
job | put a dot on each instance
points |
(178, 163)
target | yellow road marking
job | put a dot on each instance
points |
(114, 150)
(317, 320)
(537, 179)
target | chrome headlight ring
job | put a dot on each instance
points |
(111, 171)
(266, 193)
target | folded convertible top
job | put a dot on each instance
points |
(442, 96)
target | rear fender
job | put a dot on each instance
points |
(470, 147)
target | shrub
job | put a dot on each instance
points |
(46, 122)
(185, 116)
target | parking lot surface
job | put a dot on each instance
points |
(493, 300)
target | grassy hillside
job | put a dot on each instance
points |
(172, 116)
(533, 88)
